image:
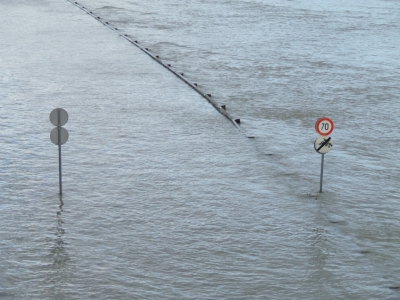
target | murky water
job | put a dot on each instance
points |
(163, 197)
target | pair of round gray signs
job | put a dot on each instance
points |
(59, 135)
(324, 143)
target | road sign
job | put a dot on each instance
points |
(58, 117)
(59, 139)
(323, 144)
(59, 135)
(324, 126)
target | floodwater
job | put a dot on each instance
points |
(163, 197)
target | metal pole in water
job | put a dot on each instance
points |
(59, 152)
(59, 135)
(59, 168)
(322, 173)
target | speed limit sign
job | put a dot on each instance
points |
(324, 126)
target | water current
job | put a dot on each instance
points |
(163, 197)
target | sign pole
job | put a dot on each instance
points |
(59, 168)
(59, 151)
(59, 136)
(323, 126)
(322, 173)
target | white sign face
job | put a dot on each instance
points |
(324, 126)
(64, 135)
(58, 117)
(323, 144)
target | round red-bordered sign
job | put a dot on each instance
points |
(324, 126)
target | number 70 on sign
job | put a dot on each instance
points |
(324, 126)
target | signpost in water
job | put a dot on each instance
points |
(324, 143)
(59, 135)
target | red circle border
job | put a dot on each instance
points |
(319, 122)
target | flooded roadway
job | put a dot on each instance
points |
(163, 197)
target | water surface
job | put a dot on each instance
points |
(163, 197)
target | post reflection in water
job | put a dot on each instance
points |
(58, 251)
(59, 265)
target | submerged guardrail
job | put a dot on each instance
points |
(220, 108)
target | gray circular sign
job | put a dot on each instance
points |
(58, 117)
(59, 139)
(323, 144)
